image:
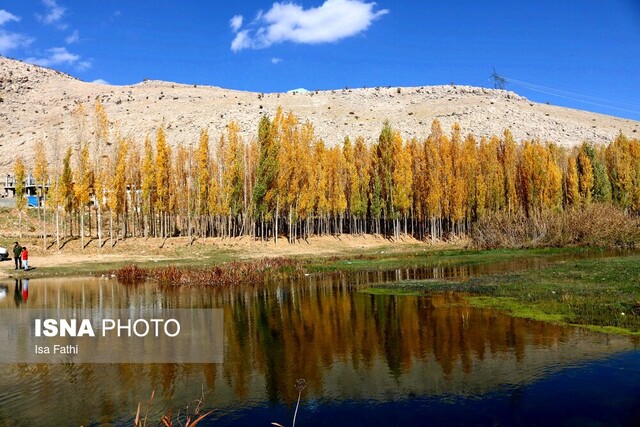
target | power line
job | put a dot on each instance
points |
(574, 96)
(569, 92)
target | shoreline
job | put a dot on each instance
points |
(72, 260)
(547, 284)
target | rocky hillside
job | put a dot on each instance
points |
(36, 103)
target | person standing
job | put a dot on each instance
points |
(25, 258)
(17, 255)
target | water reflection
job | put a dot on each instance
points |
(349, 346)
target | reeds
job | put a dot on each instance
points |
(227, 274)
(301, 384)
(167, 420)
(598, 225)
(131, 274)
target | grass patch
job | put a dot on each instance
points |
(384, 260)
(391, 291)
(514, 307)
(601, 294)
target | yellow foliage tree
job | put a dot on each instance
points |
(148, 186)
(163, 178)
(21, 202)
(117, 196)
(82, 187)
(402, 176)
(585, 177)
(572, 190)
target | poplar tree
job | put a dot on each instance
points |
(41, 174)
(494, 175)
(458, 189)
(384, 171)
(419, 172)
(266, 174)
(180, 190)
(148, 187)
(304, 175)
(402, 177)
(100, 169)
(117, 199)
(162, 175)
(134, 182)
(319, 187)
(335, 170)
(21, 201)
(553, 189)
(82, 187)
(572, 190)
(618, 156)
(433, 188)
(585, 177)
(232, 177)
(360, 198)
(601, 185)
(350, 181)
(470, 168)
(203, 177)
(66, 187)
(508, 161)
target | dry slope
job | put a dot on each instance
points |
(36, 103)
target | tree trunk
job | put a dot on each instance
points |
(82, 227)
(99, 226)
(44, 227)
(58, 226)
(111, 227)
(275, 232)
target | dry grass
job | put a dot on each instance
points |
(167, 420)
(230, 273)
(599, 225)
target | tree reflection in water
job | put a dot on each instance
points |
(349, 346)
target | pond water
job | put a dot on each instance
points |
(367, 360)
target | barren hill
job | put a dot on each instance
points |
(36, 103)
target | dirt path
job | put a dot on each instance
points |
(183, 250)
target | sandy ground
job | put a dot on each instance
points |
(181, 249)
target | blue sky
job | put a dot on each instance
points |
(582, 53)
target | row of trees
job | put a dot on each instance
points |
(287, 182)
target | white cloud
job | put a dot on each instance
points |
(235, 23)
(7, 17)
(73, 37)
(241, 41)
(84, 65)
(101, 82)
(54, 14)
(332, 21)
(57, 56)
(276, 60)
(10, 40)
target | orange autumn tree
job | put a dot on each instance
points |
(282, 180)
(402, 178)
